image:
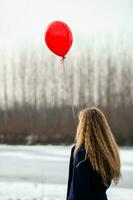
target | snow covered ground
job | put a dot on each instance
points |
(41, 173)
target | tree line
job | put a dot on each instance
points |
(35, 99)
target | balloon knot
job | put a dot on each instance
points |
(62, 59)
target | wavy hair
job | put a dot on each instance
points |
(101, 148)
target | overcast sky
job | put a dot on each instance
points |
(23, 22)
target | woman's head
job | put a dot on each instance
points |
(94, 132)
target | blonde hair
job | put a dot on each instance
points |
(101, 149)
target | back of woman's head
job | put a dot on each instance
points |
(94, 132)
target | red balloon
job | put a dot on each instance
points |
(58, 38)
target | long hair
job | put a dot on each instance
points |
(101, 149)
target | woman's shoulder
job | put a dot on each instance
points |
(72, 147)
(80, 154)
(80, 151)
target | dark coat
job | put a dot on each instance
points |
(84, 183)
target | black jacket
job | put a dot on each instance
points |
(84, 183)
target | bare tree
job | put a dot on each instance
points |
(90, 79)
(14, 86)
(23, 75)
(5, 92)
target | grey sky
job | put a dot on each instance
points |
(24, 21)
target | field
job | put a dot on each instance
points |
(41, 173)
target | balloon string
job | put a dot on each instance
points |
(72, 104)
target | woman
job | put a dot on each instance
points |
(94, 161)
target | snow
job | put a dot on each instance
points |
(120, 194)
(38, 191)
(35, 191)
(41, 173)
(31, 191)
(127, 155)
